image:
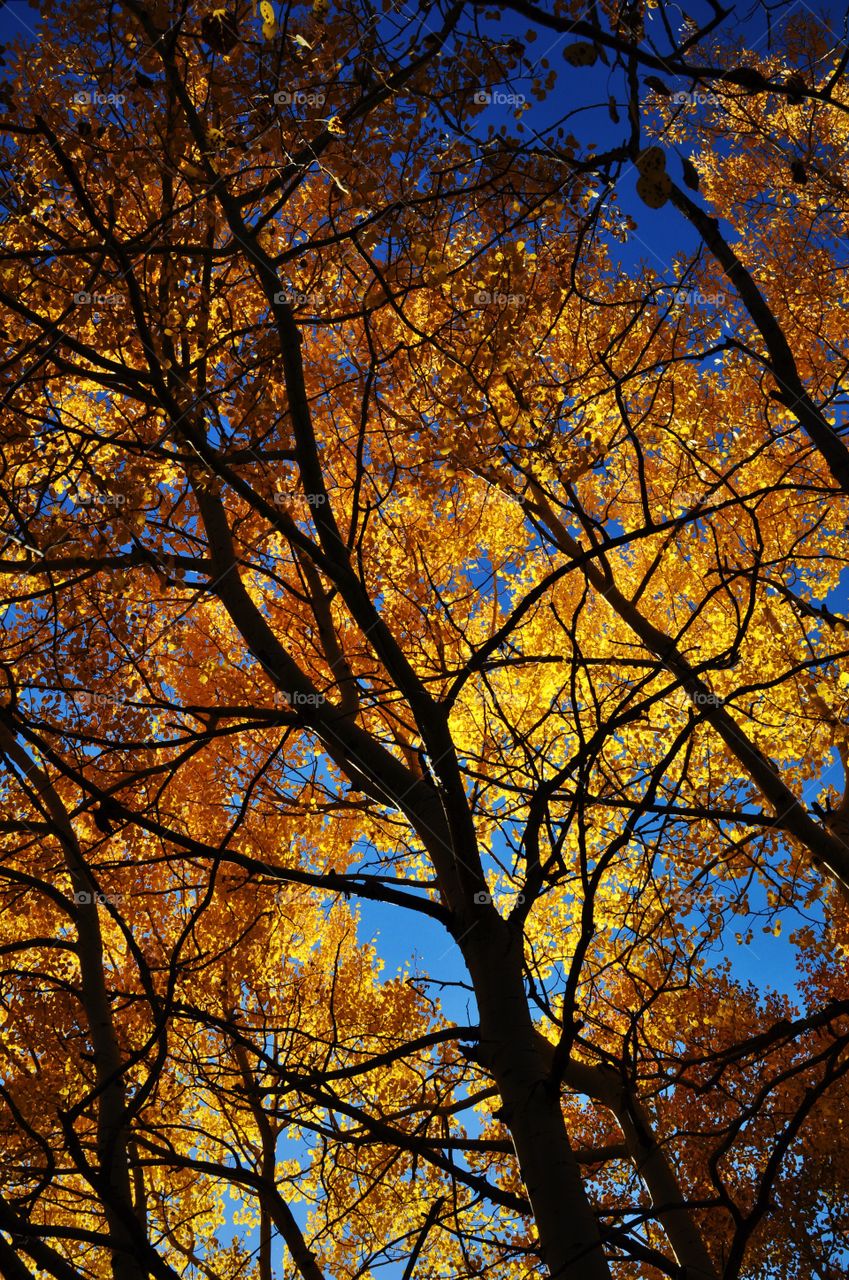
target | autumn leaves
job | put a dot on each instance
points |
(654, 184)
(401, 549)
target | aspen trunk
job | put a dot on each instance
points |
(569, 1236)
(112, 1136)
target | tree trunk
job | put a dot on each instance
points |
(568, 1232)
(112, 1135)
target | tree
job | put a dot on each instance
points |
(380, 528)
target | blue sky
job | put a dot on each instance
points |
(17, 18)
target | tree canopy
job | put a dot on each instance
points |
(424, 483)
